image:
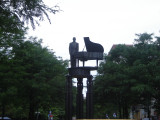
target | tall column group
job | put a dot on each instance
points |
(79, 98)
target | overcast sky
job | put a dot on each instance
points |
(106, 22)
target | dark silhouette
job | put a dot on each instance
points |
(73, 48)
(92, 47)
(94, 52)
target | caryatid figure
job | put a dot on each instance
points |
(73, 48)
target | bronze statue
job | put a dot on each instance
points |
(73, 48)
(94, 52)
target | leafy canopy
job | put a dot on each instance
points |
(26, 11)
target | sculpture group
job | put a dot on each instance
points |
(94, 52)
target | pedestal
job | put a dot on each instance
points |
(79, 73)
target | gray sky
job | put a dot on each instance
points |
(106, 22)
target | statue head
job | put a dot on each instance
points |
(74, 39)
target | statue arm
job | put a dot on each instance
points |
(77, 47)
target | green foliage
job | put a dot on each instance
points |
(58, 113)
(31, 76)
(32, 79)
(26, 11)
(129, 76)
(144, 38)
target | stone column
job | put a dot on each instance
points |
(69, 98)
(79, 105)
(89, 98)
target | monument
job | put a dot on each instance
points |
(73, 49)
(94, 52)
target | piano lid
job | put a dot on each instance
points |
(93, 47)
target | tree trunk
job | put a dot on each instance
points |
(123, 111)
(31, 112)
(3, 111)
(31, 107)
(120, 112)
(126, 110)
(148, 110)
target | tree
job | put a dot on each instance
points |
(131, 73)
(34, 78)
(26, 10)
(15, 49)
(43, 76)
(144, 38)
(115, 81)
(157, 75)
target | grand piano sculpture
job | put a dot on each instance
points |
(94, 52)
